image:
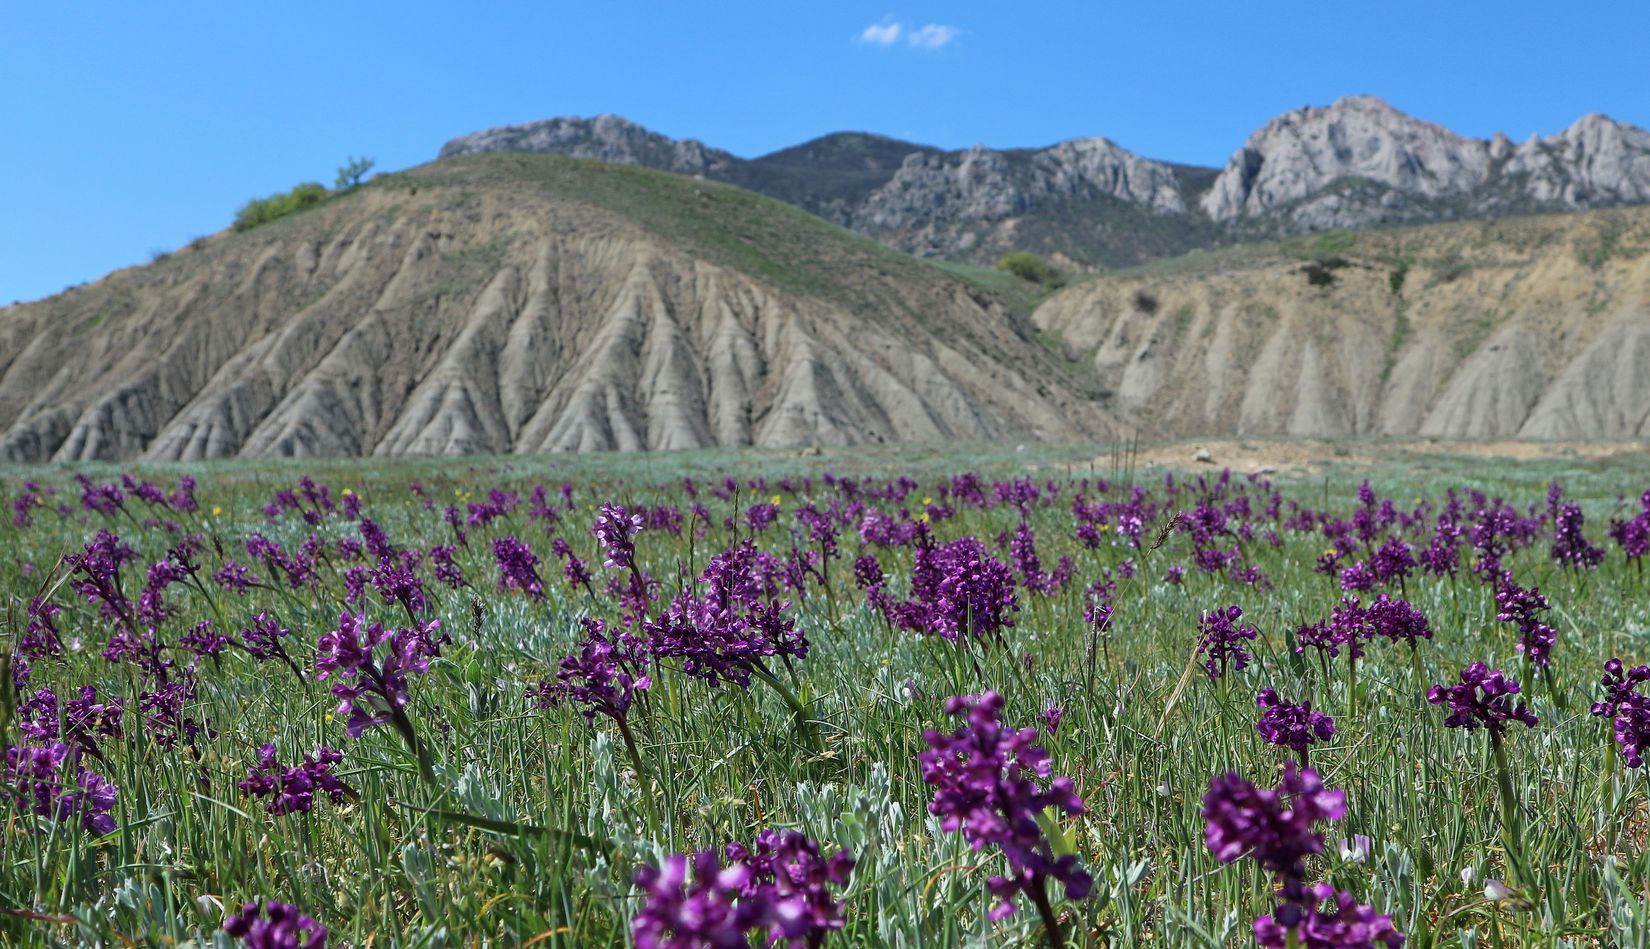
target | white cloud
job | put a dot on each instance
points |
(880, 34)
(932, 36)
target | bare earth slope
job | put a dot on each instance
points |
(525, 303)
(1533, 327)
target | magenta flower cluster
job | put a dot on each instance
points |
(292, 790)
(1633, 534)
(1221, 641)
(1351, 925)
(1288, 725)
(84, 725)
(1275, 827)
(1519, 606)
(1571, 548)
(958, 591)
(274, 925)
(375, 690)
(1627, 708)
(991, 783)
(518, 567)
(47, 781)
(781, 886)
(616, 529)
(603, 678)
(729, 630)
(1483, 698)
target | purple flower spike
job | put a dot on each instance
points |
(778, 885)
(957, 591)
(376, 692)
(1291, 726)
(1571, 549)
(1222, 642)
(987, 786)
(292, 790)
(1518, 605)
(678, 914)
(603, 677)
(727, 633)
(616, 528)
(38, 780)
(790, 876)
(1274, 826)
(1482, 699)
(1627, 708)
(1052, 717)
(1351, 926)
(273, 925)
(518, 567)
(1397, 620)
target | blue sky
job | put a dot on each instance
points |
(131, 127)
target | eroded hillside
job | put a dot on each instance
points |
(524, 303)
(1532, 327)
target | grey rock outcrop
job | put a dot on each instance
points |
(1361, 162)
(1596, 161)
(1298, 155)
(608, 138)
(946, 204)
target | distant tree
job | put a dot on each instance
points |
(351, 173)
(1031, 268)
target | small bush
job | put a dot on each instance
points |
(1145, 301)
(1321, 273)
(1395, 279)
(1031, 268)
(263, 210)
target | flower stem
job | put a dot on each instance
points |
(1420, 674)
(798, 710)
(403, 725)
(1351, 684)
(1038, 892)
(1509, 808)
(643, 776)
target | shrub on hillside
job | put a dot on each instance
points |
(263, 210)
(1031, 268)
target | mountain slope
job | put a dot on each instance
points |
(1089, 203)
(524, 303)
(1086, 200)
(1534, 326)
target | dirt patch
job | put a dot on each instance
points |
(1310, 456)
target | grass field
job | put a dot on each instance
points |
(480, 812)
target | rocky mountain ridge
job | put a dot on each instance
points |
(1091, 203)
